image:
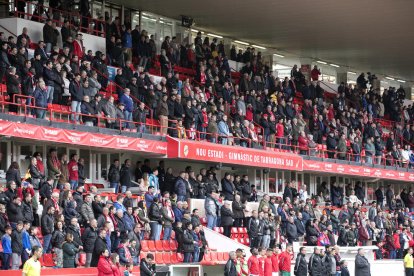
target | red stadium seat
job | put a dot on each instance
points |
(166, 245)
(166, 256)
(180, 257)
(173, 245)
(220, 256)
(144, 246)
(213, 256)
(158, 258)
(174, 258)
(151, 246)
(159, 245)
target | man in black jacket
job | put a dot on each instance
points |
(301, 265)
(125, 176)
(99, 247)
(89, 237)
(147, 265)
(379, 194)
(315, 263)
(74, 229)
(154, 215)
(230, 267)
(255, 230)
(48, 222)
(287, 193)
(291, 231)
(15, 211)
(114, 175)
(17, 245)
(27, 208)
(300, 226)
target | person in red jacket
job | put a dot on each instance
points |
(73, 171)
(285, 260)
(397, 244)
(105, 265)
(303, 143)
(40, 165)
(280, 133)
(315, 73)
(253, 263)
(268, 267)
(275, 260)
(262, 258)
(78, 46)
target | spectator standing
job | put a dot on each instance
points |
(168, 219)
(89, 237)
(73, 170)
(362, 265)
(114, 175)
(58, 237)
(230, 267)
(17, 245)
(69, 252)
(226, 219)
(6, 242)
(188, 243)
(301, 265)
(155, 217)
(127, 101)
(125, 176)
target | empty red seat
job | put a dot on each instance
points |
(173, 245)
(180, 257)
(225, 256)
(166, 245)
(213, 256)
(220, 256)
(243, 230)
(151, 246)
(158, 258)
(207, 257)
(166, 256)
(159, 245)
(144, 246)
(173, 258)
(217, 229)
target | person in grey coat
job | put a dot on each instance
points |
(362, 266)
(94, 85)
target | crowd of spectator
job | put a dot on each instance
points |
(72, 220)
(258, 110)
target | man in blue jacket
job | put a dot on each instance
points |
(180, 187)
(40, 96)
(127, 101)
(223, 130)
(127, 43)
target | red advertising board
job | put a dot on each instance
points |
(326, 167)
(233, 155)
(81, 138)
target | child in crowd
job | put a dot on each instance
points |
(7, 251)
